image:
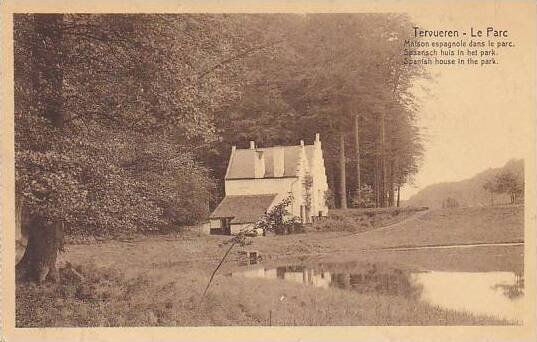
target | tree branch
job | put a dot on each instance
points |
(234, 58)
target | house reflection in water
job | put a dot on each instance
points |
(303, 275)
(497, 294)
(394, 282)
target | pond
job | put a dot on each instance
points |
(497, 294)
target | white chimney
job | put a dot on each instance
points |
(259, 164)
(301, 142)
(278, 164)
(317, 138)
(252, 145)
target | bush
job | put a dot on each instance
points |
(88, 295)
(279, 221)
(364, 198)
(333, 224)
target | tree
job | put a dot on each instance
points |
(111, 114)
(45, 236)
(491, 187)
(508, 183)
(357, 148)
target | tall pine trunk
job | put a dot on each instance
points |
(342, 171)
(45, 238)
(357, 147)
(331, 174)
(391, 189)
(382, 138)
(377, 178)
(398, 194)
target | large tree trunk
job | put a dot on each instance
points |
(39, 260)
(21, 235)
(342, 171)
(38, 241)
(357, 147)
(398, 195)
(47, 50)
(45, 238)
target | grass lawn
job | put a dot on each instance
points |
(452, 226)
(159, 280)
(106, 298)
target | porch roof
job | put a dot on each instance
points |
(243, 208)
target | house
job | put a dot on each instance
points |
(259, 178)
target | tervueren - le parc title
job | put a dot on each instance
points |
(488, 32)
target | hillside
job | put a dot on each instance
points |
(467, 193)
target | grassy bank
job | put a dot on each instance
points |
(159, 280)
(362, 220)
(447, 226)
(450, 226)
(106, 298)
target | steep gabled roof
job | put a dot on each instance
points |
(243, 208)
(242, 162)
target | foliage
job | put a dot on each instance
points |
(330, 198)
(506, 182)
(308, 184)
(365, 198)
(278, 219)
(137, 101)
(470, 192)
(135, 125)
(363, 219)
(340, 224)
(511, 184)
(88, 295)
(316, 79)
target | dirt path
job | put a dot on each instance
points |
(470, 245)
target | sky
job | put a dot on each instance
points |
(475, 118)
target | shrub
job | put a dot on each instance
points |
(88, 295)
(364, 198)
(279, 221)
(333, 224)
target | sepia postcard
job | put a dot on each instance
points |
(268, 171)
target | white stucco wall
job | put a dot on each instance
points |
(215, 223)
(258, 186)
(318, 172)
(205, 227)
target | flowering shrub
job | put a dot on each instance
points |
(279, 221)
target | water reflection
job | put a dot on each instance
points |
(370, 280)
(497, 294)
(513, 291)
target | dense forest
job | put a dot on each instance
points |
(124, 123)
